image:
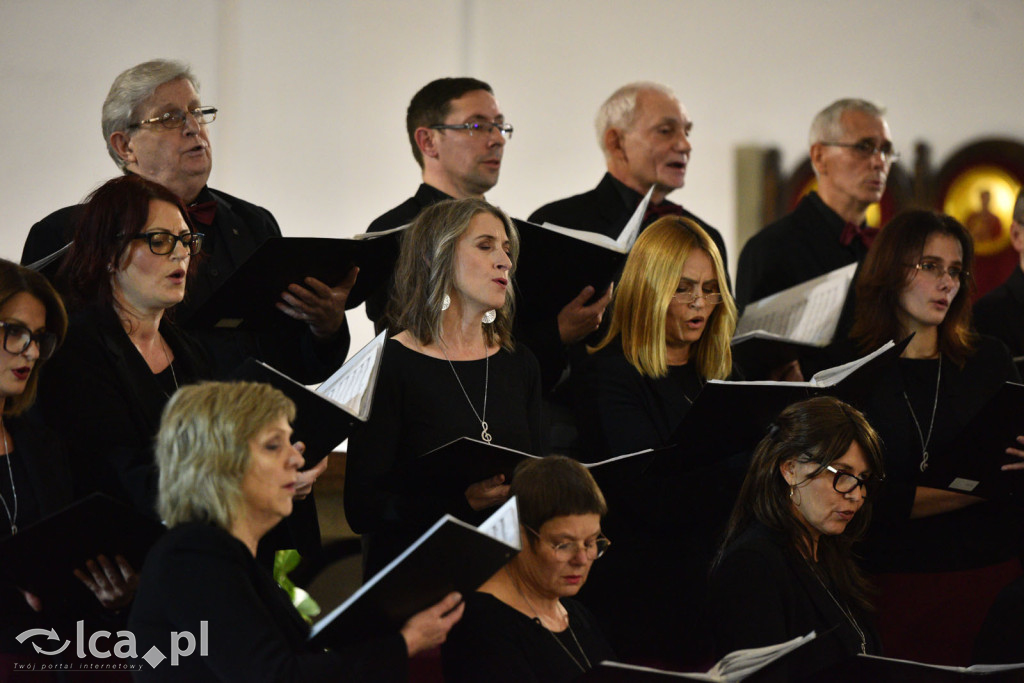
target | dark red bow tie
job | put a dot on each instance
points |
(203, 213)
(865, 233)
(656, 211)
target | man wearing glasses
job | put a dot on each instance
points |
(155, 126)
(851, 152)
(458, 134)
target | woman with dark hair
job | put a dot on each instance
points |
(939, 557)
(522, 624)
(785, 567)
(450, 371)
(228, 472)
(672, 319)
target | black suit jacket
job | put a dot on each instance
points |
(1000, 313)
(198, 573)
(763, 593)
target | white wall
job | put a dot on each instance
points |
(313, 94)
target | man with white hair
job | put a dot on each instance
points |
(851, 152)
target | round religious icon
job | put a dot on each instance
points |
(982, 197)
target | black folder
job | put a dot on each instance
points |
(970, 462)
(320, 423)
(448, 470)
(451, 556)
(41, 557)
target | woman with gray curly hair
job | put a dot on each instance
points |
(228, 473)
(450, 370)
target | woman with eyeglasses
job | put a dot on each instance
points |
(672, 319)
(939, 557)
(127, 267)
(522, 624)
(785, 566)
(451, 370)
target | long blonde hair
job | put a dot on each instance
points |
(649, 280)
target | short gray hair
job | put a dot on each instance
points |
(202, 448)
(619, 110)
(131, 89)
(1018, 208)
(827, 125)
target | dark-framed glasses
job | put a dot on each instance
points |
(176, 119)
(935, 271)
(593, 548)
(484, 127)
(17, 339)
(865, 149)
(844, 482)
(689, 296)
(163, 243)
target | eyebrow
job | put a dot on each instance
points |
(500, 118)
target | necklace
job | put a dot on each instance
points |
(170, 364)
(14, 492)
(482, 419)
(536, 618)
(846, 613)
(926, 440)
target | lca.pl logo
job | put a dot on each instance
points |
(183, 644)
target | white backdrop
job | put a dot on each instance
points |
(313, 94)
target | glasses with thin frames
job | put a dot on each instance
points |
(176, 119)
(865, 149)
(484, 127)
(567, 550)
(691, 296)
(163, 243)
(936, 272)
(17, 339)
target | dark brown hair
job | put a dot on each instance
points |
(114, 214)
(554, 486)
(818, 430)
(889, 267)
(433, 102)
(14, 280)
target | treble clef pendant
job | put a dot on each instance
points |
(485, 435)
(924, 461)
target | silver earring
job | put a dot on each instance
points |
(110, 267)
(446, 302)
(490, 316)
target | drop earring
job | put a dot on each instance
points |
(490, 316)
(446, 302)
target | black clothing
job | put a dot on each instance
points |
(497, 643)
(763, 592)
(1000, 313)
(403, 214)
(418, 406)
(800, 246)
(198, 573)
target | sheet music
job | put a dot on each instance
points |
(349, 385)
(807, 313)
(632, 228)
(503, 525)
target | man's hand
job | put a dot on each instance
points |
(577, 319)
(114, 586)
(430, 627)
(320, 306)
(487, 493)
(306, 479)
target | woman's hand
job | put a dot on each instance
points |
(33, 601)
(430, 627)
(487, 493)
(114, 586)
(319, 306)
(306, 479)
(1019, 452)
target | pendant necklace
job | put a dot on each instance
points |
(482, 419)
(14, 493)
(846, 613)
(536, 618)
(170, 364)
(926, 440)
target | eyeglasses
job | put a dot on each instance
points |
(163, 243)
(592, 548)
(176, 119)
(17, 339)
(865, 149)
(844, 482)
(936, 272)
(484, 127)
(689, 296)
